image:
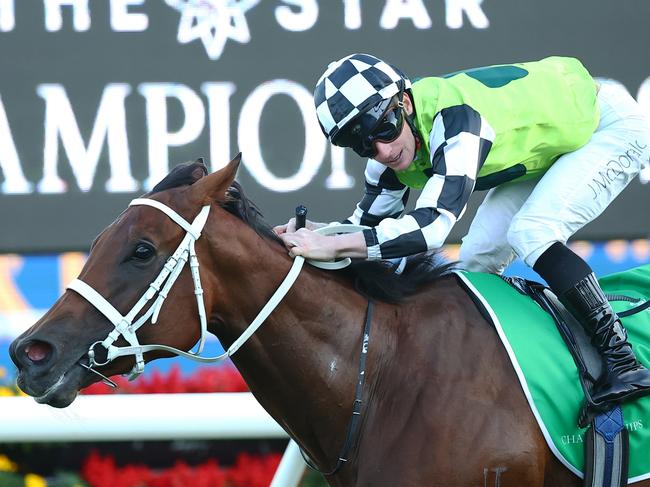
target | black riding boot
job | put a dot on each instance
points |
(622, 377)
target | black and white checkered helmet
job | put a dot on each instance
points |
(351, 86)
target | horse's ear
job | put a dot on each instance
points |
(214, 186)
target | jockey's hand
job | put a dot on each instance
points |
(290, 226)
(309, 244)
(312, 245)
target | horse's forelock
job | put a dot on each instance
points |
(184, 174)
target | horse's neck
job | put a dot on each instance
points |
(302, 363)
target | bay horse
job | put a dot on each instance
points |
(441, 404)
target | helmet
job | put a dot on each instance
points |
(353, 85)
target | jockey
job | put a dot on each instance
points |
(553, 147)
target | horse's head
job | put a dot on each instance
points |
(131, 257)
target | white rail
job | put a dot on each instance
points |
(148, 417)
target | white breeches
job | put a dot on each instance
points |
(525, 218)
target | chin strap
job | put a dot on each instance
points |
(414, 130)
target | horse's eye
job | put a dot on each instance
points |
(143, 251)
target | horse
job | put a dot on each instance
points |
(441, 404)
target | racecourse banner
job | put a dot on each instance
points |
(98, 99)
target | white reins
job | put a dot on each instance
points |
(125, 326)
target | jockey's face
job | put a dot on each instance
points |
(399, 153)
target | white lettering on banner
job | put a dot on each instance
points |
(15, 182)
(124, 21)
(109, 126)
(454, 14)
(54, 18)
(248, 136)
(109, 129)
(214, 22)
(299, 21)
(394, 10)
(338, 178)
(352, 14)
(7, 15)
(218, 95)
(159, 137)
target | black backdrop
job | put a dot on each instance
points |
(98, 99)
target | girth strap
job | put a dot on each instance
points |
(606, 450)
(355, 421)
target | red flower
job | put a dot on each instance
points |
(224, 378)
(248, 471)
(102, 472)
(253, 471)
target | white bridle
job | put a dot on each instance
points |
(125, 326)
(161, 285)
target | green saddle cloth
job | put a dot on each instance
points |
(546, 369)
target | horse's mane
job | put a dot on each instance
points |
(374, 279)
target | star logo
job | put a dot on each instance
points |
(214, 22)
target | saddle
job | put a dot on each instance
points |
(607, 440)
(606, 443)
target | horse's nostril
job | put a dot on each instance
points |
(38, 351)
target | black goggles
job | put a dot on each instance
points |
(382, 123)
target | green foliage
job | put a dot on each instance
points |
(66, 479)
(313, 479)
(10, 479)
